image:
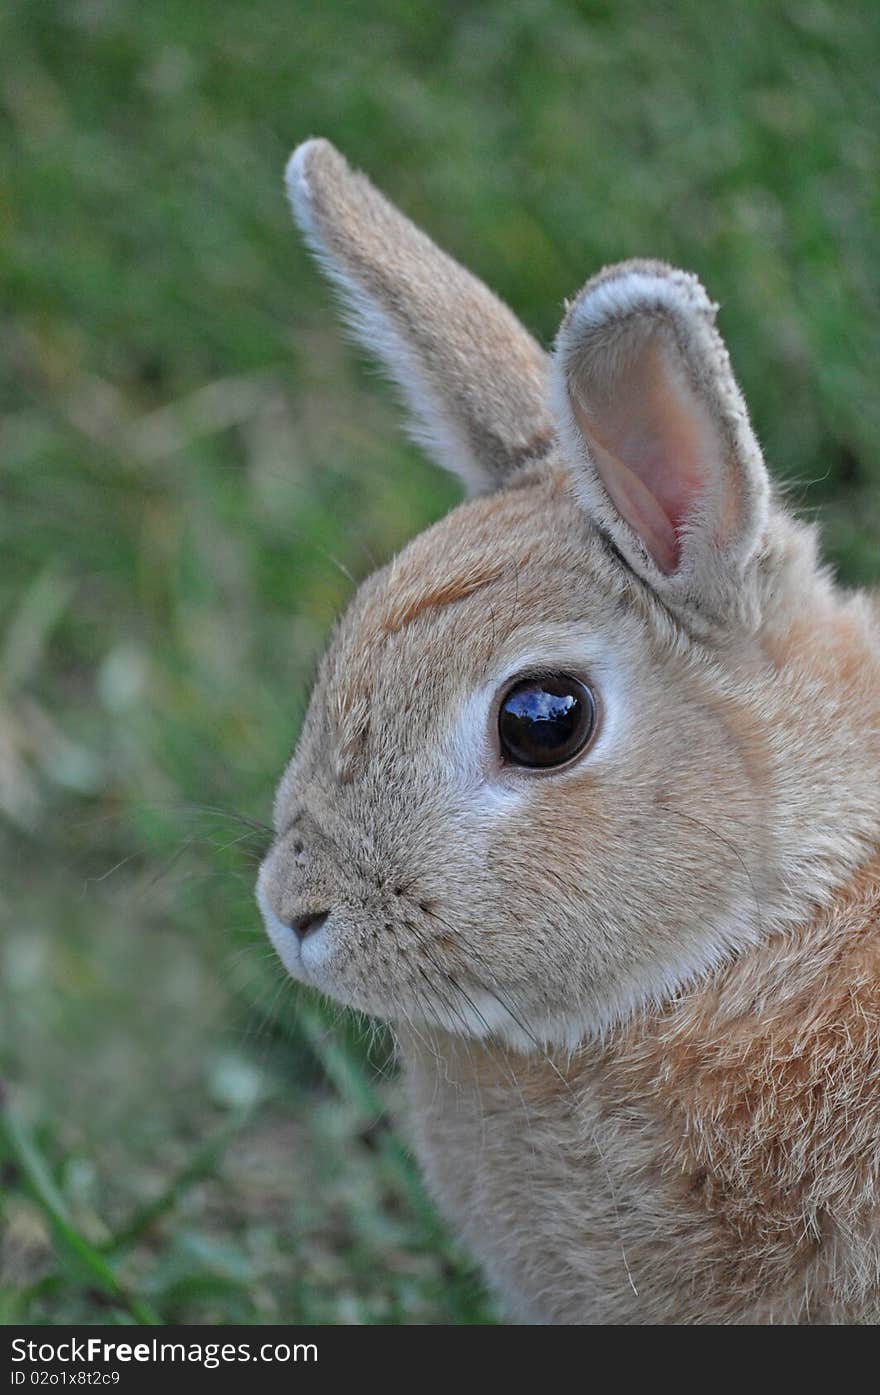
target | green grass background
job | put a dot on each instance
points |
(188, 448)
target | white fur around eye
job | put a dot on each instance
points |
(471, 750)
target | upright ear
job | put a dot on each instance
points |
(658, 435)
(473, 378)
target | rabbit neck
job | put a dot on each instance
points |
(818, 716)
(716, 1160)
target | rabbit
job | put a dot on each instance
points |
(586, 806)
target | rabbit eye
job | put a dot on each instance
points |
(546, 721)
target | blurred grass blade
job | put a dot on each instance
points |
(22, 1151)
(201, 1166)
(41, 607)
(350, 1078)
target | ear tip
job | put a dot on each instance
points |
(635, 287)
(306, 162)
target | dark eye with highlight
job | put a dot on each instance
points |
(546, 721)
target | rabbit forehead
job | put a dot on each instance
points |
(441, 616)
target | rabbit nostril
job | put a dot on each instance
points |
(306, 924)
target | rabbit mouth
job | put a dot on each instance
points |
(322, 955)
(312, 950)
(308, 946)
(286, 942)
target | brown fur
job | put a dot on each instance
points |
(741, 1125)
(638, 996)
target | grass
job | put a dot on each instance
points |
(189, 450)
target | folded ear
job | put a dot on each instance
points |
(658, 435)
(474, 379)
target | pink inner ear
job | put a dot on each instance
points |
(653, 446)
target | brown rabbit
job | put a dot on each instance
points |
(587, 805)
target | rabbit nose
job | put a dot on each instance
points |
(310, 922)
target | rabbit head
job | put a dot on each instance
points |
(558, 759)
